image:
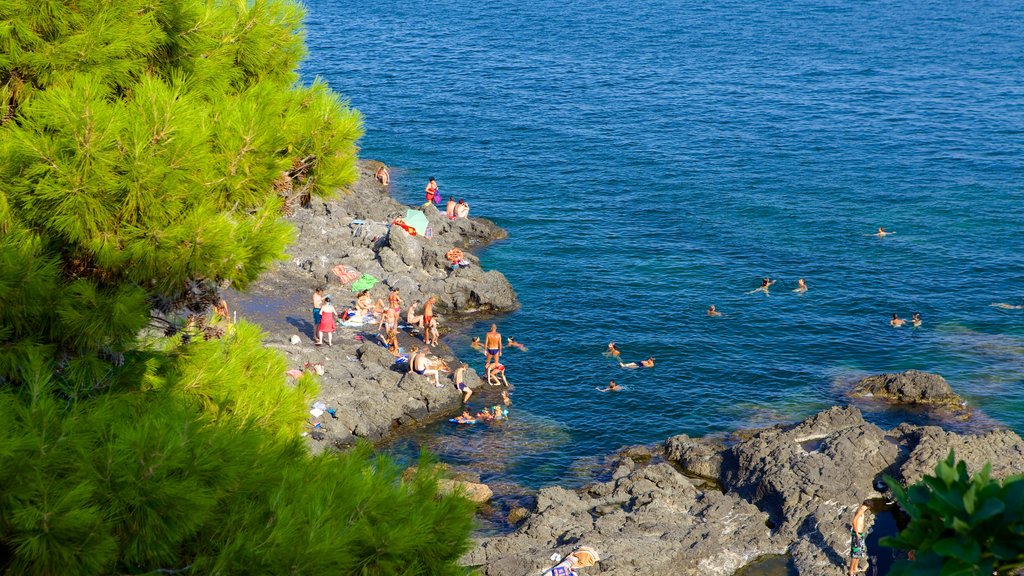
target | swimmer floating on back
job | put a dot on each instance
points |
(649, 363)
(882, 232)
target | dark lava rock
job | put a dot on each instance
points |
(910, 387)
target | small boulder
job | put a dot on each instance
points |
(295, 339)
(517, 515)
(473, 491)
(910, 387)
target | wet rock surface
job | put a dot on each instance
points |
(371, 393)
(787, 490)
(910, 387)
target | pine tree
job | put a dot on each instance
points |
(147, 151)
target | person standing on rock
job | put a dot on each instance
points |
(449, 210)
(431, 191)
(428, 318)
(318, 301)
(389, 321)
(858, 548)
(327, 313)
(395, 301)
(460, 383)
(492, 346)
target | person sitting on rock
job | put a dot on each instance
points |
(383, 175)
(462, 209)
(420, 364)
(412, 318)
(449, 209)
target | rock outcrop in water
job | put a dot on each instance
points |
(371, 394)
(787, 490)
(911, 387)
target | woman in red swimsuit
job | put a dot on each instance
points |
(431, 190)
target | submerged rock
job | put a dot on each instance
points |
(473, 491)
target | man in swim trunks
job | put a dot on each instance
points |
(449, 209)
(422, 366)
(318, 302)
(492, 346)
(460, 384)
(389, 321)
(712, 312)
(858, 548)
(428, 316)
(649, 363)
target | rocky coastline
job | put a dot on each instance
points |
(781, 495)
(371, 394)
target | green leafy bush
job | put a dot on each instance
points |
(959, 524)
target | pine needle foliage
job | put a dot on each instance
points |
(147, 149)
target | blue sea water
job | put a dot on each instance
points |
(650, 159)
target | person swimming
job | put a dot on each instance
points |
(1006, 306)
(512, 342)
(612, 350)
(896, 321)
(649, 363)
(464, 418)
(766, 283)
(477, 344)
(915, 319)
(712, 312)
(612, 387)
(882, 232)
(801, 287)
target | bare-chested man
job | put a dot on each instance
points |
(460, 382)
(422, 365)
(858, 548)
(896, 321)
(801, 286)
(412, 318)
(713, 312)
(428, 316)
(882, 232)
(492, 346)
(389, 321)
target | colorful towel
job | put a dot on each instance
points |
(365, 282)
(346, 274)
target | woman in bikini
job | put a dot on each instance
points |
(431, 189)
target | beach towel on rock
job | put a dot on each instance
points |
(365, 282)
(345, 273)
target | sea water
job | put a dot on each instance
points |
(650, 159)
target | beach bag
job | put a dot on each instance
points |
(437, 197)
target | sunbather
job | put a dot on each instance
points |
(649, 363)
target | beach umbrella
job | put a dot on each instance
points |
(417, 220)
(365, 282)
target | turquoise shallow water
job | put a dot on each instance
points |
(652, 159)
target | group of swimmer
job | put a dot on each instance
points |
(613, 352)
